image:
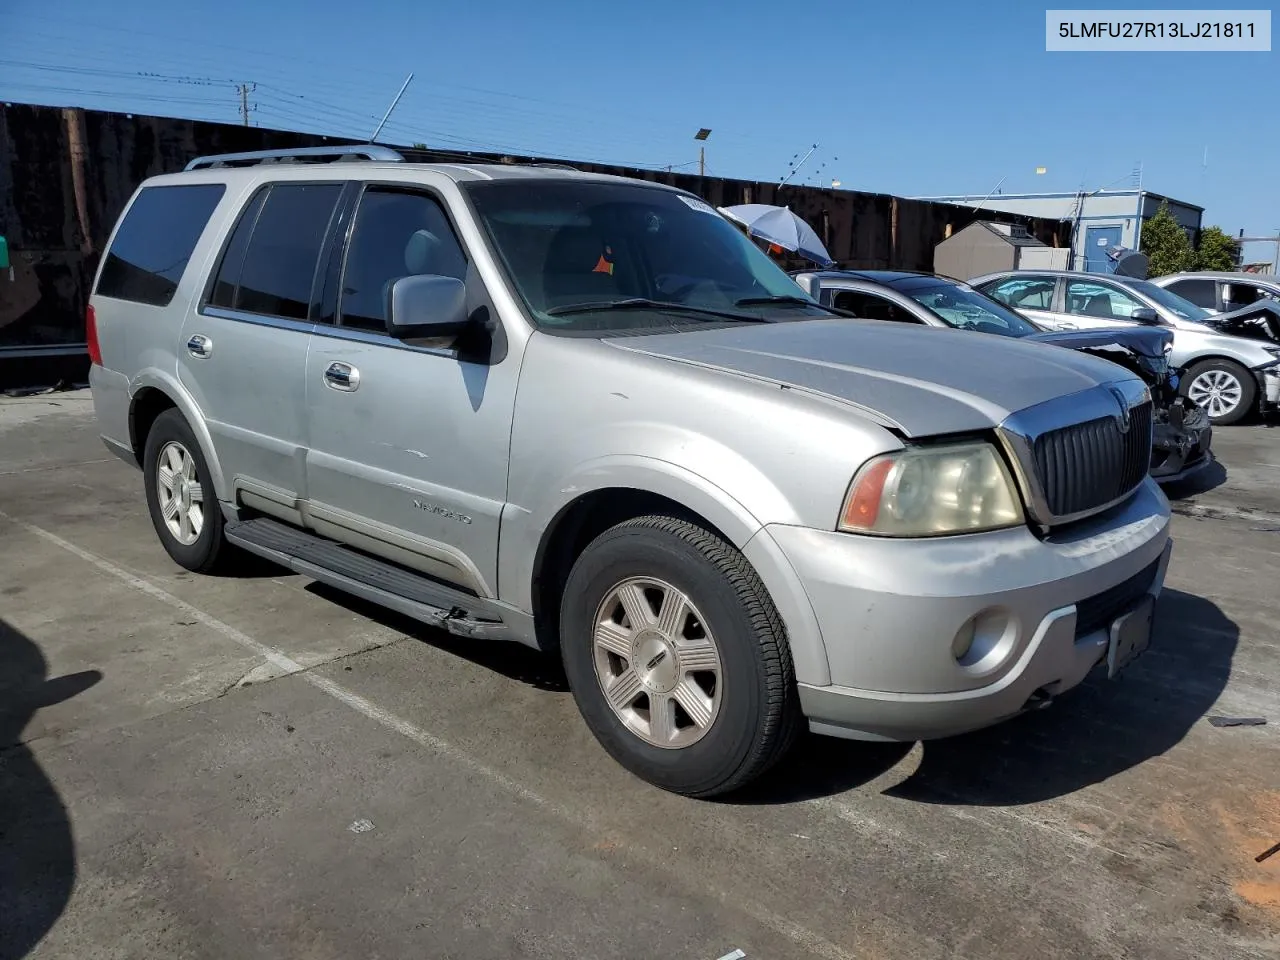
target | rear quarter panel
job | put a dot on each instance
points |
(140, 342)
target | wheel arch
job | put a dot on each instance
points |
(663, 490)
(150, 394)
(1208, 357)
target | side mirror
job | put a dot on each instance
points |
(1144, 315)
(427, 306)
(809, 284)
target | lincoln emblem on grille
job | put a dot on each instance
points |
(1122, 419)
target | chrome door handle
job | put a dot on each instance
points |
(200, 346)
(341, 376)
(1068, 325)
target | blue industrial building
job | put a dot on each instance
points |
(1103, 219)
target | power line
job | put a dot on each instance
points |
(508, 128)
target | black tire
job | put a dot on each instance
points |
(210, 552)
(759, 715)
(1248, 388)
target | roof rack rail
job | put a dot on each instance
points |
(367, 151)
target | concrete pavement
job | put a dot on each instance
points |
(256, 766)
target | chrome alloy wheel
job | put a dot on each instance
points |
(1218, 391)
(657, 663)
(180, 493)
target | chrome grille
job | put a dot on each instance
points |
(1089, 465)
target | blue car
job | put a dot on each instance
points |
(1182, 433)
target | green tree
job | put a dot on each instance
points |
(1166, 244)
(1217, 251)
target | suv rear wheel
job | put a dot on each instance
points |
(180, 498)
(677, 658)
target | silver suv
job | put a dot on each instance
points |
(585, 413)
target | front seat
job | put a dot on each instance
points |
(1099, 305)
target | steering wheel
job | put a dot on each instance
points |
(678, 290)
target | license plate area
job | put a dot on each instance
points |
(1130, 635)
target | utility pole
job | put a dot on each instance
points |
(246, 89)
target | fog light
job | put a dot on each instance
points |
(961, 645)
(985, 640)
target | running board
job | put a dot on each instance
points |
(377, 581)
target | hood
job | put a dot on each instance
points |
(1144, 341)
(1257, 321)
(921, 381)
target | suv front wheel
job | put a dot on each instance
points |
(184, 509)
(677, 658)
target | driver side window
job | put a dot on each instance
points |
(396, 234)
(871, 307)
(1100, 301)
(1236, 295)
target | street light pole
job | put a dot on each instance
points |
(702, 135)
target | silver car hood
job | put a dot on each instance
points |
(921, 382)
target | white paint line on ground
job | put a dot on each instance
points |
(780, 925)
(57, 466)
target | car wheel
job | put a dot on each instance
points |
(677, 658)
(1225, 390)
(184, 509)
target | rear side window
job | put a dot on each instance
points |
(155, 241)
(224, 286)
(1199, 291)
(269, 265)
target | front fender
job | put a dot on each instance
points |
(170, 386)
(523, 531)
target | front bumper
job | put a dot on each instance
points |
(1268, 388)
(889, 611)
(1180, 449)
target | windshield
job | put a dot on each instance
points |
(970, 310)
(1175, 304)
(599, 256)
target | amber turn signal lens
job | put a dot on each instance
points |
(863, 506)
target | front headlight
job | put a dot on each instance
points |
(932, 491)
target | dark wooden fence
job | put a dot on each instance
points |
(66, 173)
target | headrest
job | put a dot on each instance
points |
(420, 252)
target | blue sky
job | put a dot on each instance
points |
(911, 99)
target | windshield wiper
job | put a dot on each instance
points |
(787, 298)
(751, 301)
(643, 303)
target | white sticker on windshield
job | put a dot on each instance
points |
(693, 203)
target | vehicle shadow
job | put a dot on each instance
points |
(512, 660)
(37, 851)
(1092, 733)
(249, 566)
